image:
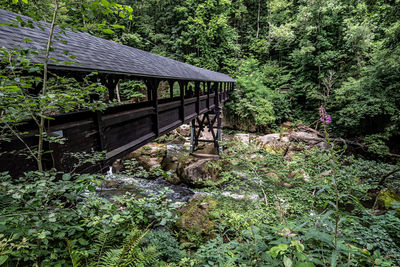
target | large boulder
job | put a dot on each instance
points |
(149, 156)
(273, 142)
(269, 138)
(174, 154)
(197, 172)
(309, 137)
(194, 224)
(388, 199)
(244, 138)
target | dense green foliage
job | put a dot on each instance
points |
(340, 53)
(45, 212)
(296, 44)
(311, 211)
(289, 58)
(314, 209)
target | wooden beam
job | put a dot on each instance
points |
(208, 94)
(171, 88)
(216, 98)
(148, 93)
(152, 86)
(182, 85)
(99, 123)
(197, 94)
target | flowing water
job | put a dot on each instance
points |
(118, 185)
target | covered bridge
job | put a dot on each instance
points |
(123, 128)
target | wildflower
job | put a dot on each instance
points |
(323, 116)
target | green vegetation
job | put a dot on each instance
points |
(293, 61)
(340, 53)
(309, 211)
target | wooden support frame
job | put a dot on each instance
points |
(208, 94)
(197, 94)
(110, 82)
(212, 121)
(120, 129)
(152, 86)
(171, 88)
(182, 88)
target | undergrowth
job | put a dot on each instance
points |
(307, 211)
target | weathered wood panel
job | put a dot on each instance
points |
(128, 131)
(118, 130)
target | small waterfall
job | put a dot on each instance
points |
(110, 173)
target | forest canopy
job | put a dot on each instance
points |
(341, 54)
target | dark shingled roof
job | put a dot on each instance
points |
(97, 54)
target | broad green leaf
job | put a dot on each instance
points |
(105, 3)
(300, 256)
(3, 259)
(118, 26)
(276, 250)
(108, 31)
(287, 261)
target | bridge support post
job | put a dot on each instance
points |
(211, 122)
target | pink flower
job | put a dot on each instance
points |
(323, 116)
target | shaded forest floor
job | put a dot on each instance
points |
(270, 200)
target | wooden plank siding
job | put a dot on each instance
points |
(117, 130)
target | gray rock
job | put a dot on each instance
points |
(269, 138)
(306, 137)
(196, 172)
(244, 138)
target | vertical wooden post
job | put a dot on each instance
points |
(152, 86)
(99, 123)
(197, 94)
(216, 98)
(182, 86)
(110, 83)
(171, 88)
(192, 136)
(148, 91)
(208, 95)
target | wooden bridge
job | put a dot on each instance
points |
(120, 129)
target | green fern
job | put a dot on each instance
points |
(100, 246)
(75, 255)
(130, 254)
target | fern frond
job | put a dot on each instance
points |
(111, 258)
(100, 245)
(130, 254)
(74, 255)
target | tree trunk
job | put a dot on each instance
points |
(117, 92)
(258, 18)
(44, 89)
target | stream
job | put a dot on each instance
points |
(120, 185)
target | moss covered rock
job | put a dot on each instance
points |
(195, 224)
(198, 172)
(149, 156)
(388, 199)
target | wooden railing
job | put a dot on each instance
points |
(117, 130)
